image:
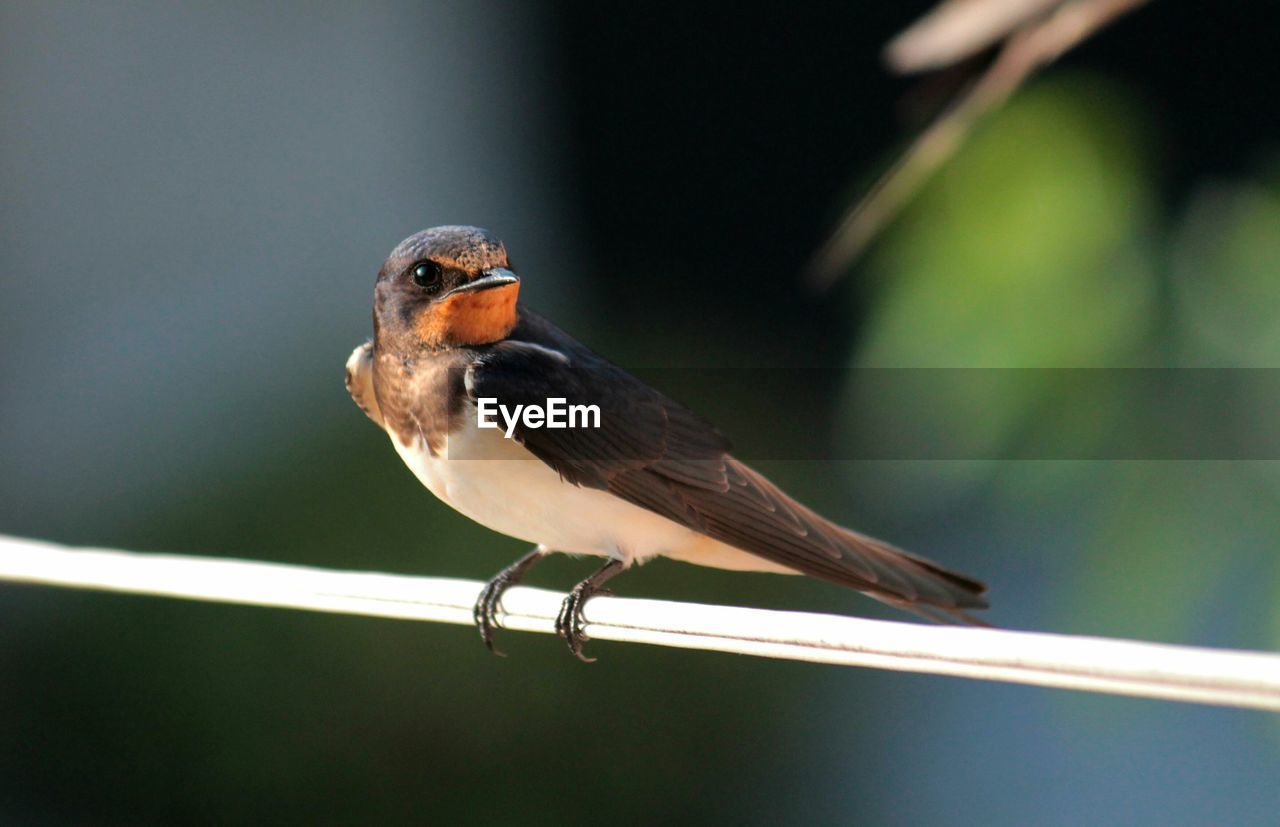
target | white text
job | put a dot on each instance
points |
(557, 413)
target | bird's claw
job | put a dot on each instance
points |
(485, 612)
(570, 624)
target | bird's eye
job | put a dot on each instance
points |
(426, 274)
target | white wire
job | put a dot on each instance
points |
(1231, 678)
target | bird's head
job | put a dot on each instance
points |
(445, 287)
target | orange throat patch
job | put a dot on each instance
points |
(470, 318)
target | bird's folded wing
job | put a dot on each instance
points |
(657, 454)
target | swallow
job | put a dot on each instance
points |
(650, 478)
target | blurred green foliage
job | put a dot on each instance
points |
(1224, 259)
(1021, 251)
(1040, 245)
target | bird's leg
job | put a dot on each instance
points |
(486, 608)
(569, 623)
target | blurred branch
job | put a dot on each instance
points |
(1035, 33)
(959, 29)
(1248, 679)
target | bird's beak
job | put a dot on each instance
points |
(493, 277)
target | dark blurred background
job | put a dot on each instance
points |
(194, 202)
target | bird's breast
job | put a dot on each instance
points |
(499, 484)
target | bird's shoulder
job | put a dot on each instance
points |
(637, 426)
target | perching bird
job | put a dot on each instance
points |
(652, 479)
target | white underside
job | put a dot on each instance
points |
(496, 482)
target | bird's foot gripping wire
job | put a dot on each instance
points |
(485, 612)
(570, 622)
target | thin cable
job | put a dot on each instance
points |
(1183, 673)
